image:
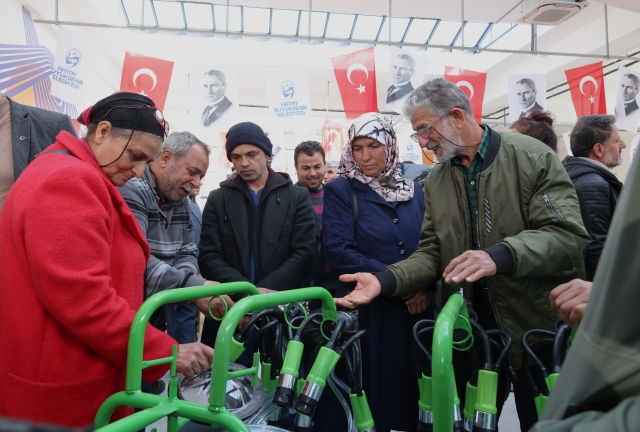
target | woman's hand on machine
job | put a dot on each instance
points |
(569, 301)
(217, 306)
(193, 358)
(367, 288)
(417, 302)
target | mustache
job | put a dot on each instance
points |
(187, 187)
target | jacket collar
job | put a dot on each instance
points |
(20, 135)
(577, 167)
(494, 147)
(274, 181)
(68, 142)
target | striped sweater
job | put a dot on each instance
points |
(174, 256)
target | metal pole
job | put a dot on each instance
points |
(227, 18)
(462, 22)
(328, 82)
(534, 38)
(142, 17)
(509, 11)
(606, 28)
(352, 41)
(390, 2)
(310, 8)
(57, 22)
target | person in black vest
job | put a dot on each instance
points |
(597, 148)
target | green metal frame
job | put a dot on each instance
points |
(179, 412)
(443, 378)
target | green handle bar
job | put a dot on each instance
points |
(441, 363)
(215, 413)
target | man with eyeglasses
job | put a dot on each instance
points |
(502, 227)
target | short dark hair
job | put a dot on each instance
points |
(309, 148)
(538, 125)
(590, 130)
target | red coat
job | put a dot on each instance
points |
(72, 262)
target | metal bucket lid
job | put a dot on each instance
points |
(242, 399)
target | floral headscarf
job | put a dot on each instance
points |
(389, 184)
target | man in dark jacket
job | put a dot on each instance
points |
(24, 132)
(258, 226)
(597, 147)
(599, 385)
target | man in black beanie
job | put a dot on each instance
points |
(258, 226)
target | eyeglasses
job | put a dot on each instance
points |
(157, 115)
(425, 132)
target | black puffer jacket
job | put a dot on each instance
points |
(598, 189)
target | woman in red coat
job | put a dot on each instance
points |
(72, 262)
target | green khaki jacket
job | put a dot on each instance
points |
(529, 222)
(599, 385)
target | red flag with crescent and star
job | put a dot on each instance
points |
(334, 137)
(148, 76)
(356, 76)
(472, 84)
(587, 89)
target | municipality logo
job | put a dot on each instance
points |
(72, 58)
(410, 147)
(288, 89)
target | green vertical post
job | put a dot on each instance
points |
(441, 364)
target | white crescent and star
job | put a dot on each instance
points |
(145, 71)
(586, 79)
(361, 67)
(468, 85)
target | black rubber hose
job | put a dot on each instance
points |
(425, 351)
(559, 346)
(350, 341)
(304, 324)
(254, 319)
(525, 344)
(260, 331)
(353, 381)
(525, 364)
(478, 330)
(276, 352)
(508, 342)
(335, 335)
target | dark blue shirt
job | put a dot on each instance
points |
(255, 200)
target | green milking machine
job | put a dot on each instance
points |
(294, 368)
(559, 342)
(439, 405)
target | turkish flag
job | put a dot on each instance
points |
(148, 76)
(472, 84)
(356, 76)
(587, 89)
(334, 137)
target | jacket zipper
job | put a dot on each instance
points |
(513, 374)
(548, 202)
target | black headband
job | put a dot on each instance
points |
(114, 110)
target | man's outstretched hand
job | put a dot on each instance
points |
(569, 301)
(368, 287)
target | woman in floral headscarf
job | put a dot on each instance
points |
(383, 230)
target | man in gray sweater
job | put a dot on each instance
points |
(160, 202)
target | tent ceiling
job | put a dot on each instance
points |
(583, 33)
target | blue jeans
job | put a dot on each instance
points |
(181, 322)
